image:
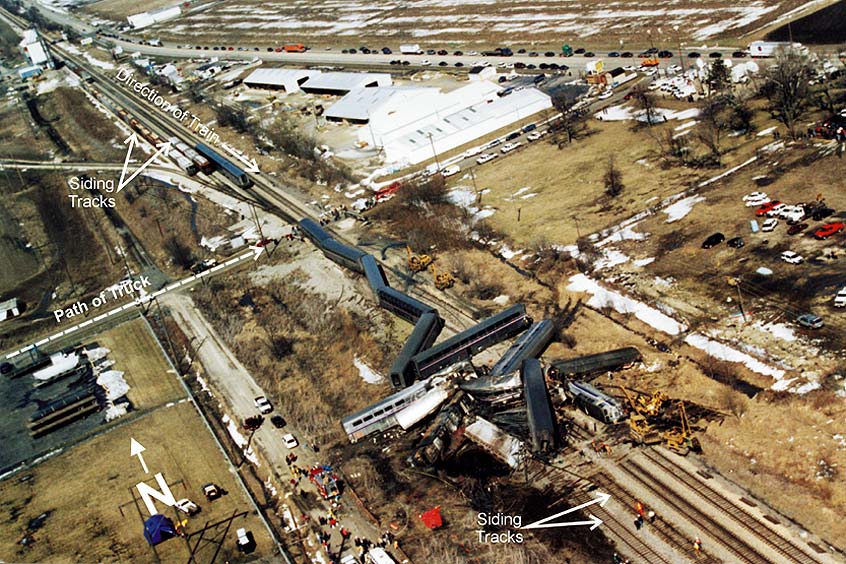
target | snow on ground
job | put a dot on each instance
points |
(96, 353)
(644, 261)
(620, 113)
(603, 297)
(767, 131)
(113, 382)
(240, 440)
(367, 374)
(681, 208)
(725, 352)
(780, 330)
(626, 234)
(609, 258)
(464, 197)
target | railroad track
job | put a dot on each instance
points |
(787, 549)
(633, 542)
(663, 490)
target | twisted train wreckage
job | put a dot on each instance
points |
(512, 395)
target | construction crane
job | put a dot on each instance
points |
(681, 439)
(643, 404)
(443, 280)
(417, 263)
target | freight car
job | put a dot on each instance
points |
(425, 333)
(530, 344)
(234, 173)
(200, 162)
(464, 345)
(538, 407)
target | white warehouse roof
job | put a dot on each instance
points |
(366, 104)
(289, 80)
(412, 143)
(343, 82)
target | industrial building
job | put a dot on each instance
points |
(386, 108)
(288, 80)
(146, 19)
(9, 309)
(339, 83)
(35, 50)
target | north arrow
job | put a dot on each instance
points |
(135, 449)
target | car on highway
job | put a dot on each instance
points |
(791, 257)
(278, 421)
(508, 147)
(535, 135)
(797, 228)
(187, 506)
(263, 405)
(513, 135)
(589, 54)
(739, 54)
(735, 242)
(459, 64)
(810, 321)
(664, 54)
(614, 54)
(766, 208)
(472, 152)
(627, 54)
(715, 54)
(290, 440)
(713, 240)
(425, 63)
(430, 51)
(769, 225)
(386, 50)
(693, 55)
(443, 52)
(533, 54)
(840, 298)
(486, 157)
(549, 54)
(828, 230)
(579, 51)
(458, 54)
(493, 143)
(443, 64)
(451, 170)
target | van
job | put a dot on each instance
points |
(451, 170)
(530, 127)
(840, 298)
(378, 555)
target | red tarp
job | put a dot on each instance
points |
(432, 518)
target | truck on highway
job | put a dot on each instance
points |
(498, 52)
(411, 49)
(771, 48)
(295, 48)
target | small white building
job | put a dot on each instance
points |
(482, 73)
(288, 80)
(9, 309)
(171, 73)
(34, 49)
(339, 83)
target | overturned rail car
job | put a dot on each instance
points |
(538, 407)
(592, 364)
(530, 344)
(425, 332)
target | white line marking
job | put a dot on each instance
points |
(38, 344)
(86, 323)
(232, 261)
(72, 329)
(103, 316)
(216, 268)
(172, 287)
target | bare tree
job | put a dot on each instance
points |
(787, 89)
(718, 76)
(613, 179)
(644, 101)
(570, 124)
(715, 121)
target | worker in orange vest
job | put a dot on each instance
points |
(639, 508)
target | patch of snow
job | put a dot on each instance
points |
(96, 353)
(780, 330)
(609, 258)
(239, 439)
(644, 261)
(767, 131)
(114, 411)
(725, 352)
(626, 234)
(502, 299)
(367, 374)
(681, 208)
(603, 297)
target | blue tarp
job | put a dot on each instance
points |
(158, 528)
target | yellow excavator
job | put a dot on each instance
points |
(681, 439)
(443, 280)
(642, 407)
(417, 263)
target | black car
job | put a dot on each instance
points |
(406, 63)
(665, 54)
(627, 54)
(738, 54)
(614, 54)
(549, 54)
(822, 214)
(715, 54)
(713, 240)
(386, 51)
(458, 53)
(735, 242)
(352, 51)
(519, 65)
(443, 52)
(530, 66)
(459, 64)
(278, 421)
(651, 50)
(444, 63)
(553, 66)
(521, 51)
(589, 54)
(533, 54)
(579, 51)
(693, 55)
(365, 50)
(512, 136)
(543, 66)
(430, 51)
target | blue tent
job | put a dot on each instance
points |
(158, 528)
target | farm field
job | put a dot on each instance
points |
(536, 25)
(110, 528)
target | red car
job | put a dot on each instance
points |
(766, 208)
(828, 230)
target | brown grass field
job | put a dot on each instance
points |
(94, 511)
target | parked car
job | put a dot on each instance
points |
(451, 170)
(263, 405)
(715, 54)
(605, 95)
(664, 54)
(840, 298)
(459, 64)
(579, 51)
(738, 54)
(693, 55)
(513, 135)
(253, 423)
(212, 492)
(769, 225)
(425, 63)
(187, 506)
(755, 197)
(614, 54)
(810, 321)
(791, 257)
(627, 54)
(534, 135)
(549, 54)
(386, 50)
(486, 157)
(290, 440)
(735, 242)
(776, 210)
(713, 240)
(764, 209)
(828, 230)
(822, 213)
(508, 147)
(797, 228)
(444, 64)
(278, 421)
(246, 541)
(589, 54)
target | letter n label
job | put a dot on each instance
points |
(165, 496)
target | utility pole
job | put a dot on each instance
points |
(475, 187)
(437, 164)
(678, 42)
(258, 226)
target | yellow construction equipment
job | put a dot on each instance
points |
(641, 432)
(443, 280)
(681, 439)
(417, 263)
(642, 404)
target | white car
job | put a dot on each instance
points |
(472, 152)
(754, 196)
(486, 157)
(769, 224)
(290, 440)
(425, 63)
(776, 210)
(605, 95)
(792, 258)
(472, 53)
(840, 298)
(508, 147)
(263, 404)
(187, 506)
(451, 170)
(534, 135)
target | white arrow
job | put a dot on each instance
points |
(257, 251)
(594, 522)
(132, 139)
(251, 164)
(135, 449)
(601, 499)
